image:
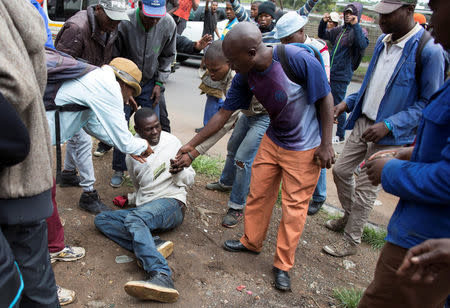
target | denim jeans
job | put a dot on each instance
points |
(142, 100)
(242, 148)
(320, 194)
(79, 156)
(338, 90)
(212, 105)
(132, 229)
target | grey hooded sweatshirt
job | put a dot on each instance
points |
(152, 51)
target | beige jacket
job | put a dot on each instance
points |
(23, 77)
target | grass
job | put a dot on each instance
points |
(207, 165)
(347, 298)
(372, 236)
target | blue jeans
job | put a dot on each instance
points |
(338, 90)
(242, 148)
(143, 100)
(212, 105)
(132, 229)
(320, 194)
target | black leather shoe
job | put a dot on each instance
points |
(282, 280)
(236, 246)
(314, 207)
(90, 201)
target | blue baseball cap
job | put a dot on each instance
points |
(289, 23)
(154, 8)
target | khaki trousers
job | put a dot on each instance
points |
(299, 175)
(387, 290)
(357, 196)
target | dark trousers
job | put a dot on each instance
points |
(338, 90)
(180, 22)
(28, 245)
(143, 100)
(389, 290)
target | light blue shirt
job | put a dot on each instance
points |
(104, 119)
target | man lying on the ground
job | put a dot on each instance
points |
(160, 198)
(84, 96)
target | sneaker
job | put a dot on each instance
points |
(90, 202)
(69, 253)
(218, 186)
(341, 248)
(117, 179)
(69, 178)
(164, 247)
(314, 206)
(159, 287)
(337, 225)
(232, 218)
(65, 296)
(101, 149)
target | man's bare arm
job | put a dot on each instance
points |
(213, 126)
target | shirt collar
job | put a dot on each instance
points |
(401, 42)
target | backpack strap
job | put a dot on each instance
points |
(281, 53)
(426, 36)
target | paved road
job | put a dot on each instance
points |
(185, 106)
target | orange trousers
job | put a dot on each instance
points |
(298, 174)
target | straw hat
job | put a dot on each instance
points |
(128, 72)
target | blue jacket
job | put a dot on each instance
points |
(422, 184)
(354, 40)
(403, 100)
(49, 42)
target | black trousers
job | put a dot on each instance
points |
(27, 245)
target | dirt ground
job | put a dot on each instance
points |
(204, 274)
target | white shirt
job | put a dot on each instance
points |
(384, 68)
(104, 119)
(152, 179)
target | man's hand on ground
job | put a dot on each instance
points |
(375, 132)
(423, 263)
(156, 94)
(338, 109)
(375, 168)
(324, 156)
(203, 42)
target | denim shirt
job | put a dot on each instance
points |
(404, 99)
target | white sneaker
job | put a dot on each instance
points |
(69, 253)
(65, 296)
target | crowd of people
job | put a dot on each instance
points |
(279, 89)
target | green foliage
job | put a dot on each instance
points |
(374, 237)
(207, 165)
(347, 298)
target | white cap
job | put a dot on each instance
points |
(289, 23)
(334, 16)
